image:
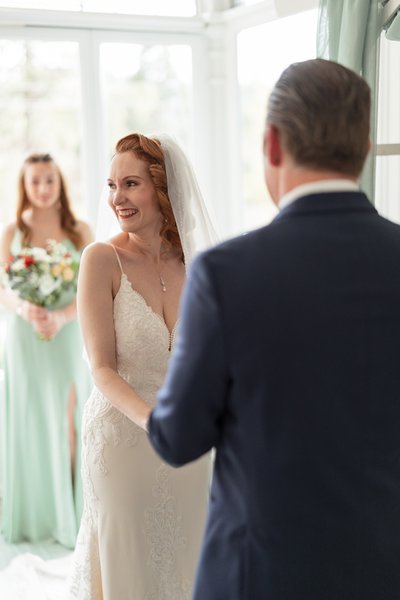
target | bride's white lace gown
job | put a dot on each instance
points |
(143, 520)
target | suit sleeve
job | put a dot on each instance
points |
(186, 421)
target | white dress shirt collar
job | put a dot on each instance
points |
(318, 187)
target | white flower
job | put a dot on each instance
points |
(47, 285)
(18, 265)
(33, 279)
(17, 279)
(39, 254)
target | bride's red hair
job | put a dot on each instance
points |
(150, 151)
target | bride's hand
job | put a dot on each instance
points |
(138, 411)
(144, 422)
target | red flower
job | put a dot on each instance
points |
(28, 261)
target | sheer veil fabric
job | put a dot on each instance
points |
(194, 224)
(195, 228)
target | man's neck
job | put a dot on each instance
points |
(294, 177)
(319, 186)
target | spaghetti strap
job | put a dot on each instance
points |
(118, 259)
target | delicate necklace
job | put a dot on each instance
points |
(162, 282)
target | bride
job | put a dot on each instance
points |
(143, 520)
(142, 523)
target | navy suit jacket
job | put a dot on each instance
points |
(288, 363)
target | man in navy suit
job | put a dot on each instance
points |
(288, 363)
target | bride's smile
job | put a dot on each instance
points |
(132, 195)
(126, 213)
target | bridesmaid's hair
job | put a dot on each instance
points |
(150, 151)
(67, 218)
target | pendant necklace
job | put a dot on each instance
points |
(162, 282)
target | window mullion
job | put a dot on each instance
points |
(94, 148)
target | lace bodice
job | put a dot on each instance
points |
(143, 342)
(143, 347)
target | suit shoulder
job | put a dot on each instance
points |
(390, 225)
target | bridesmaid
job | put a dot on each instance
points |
(45, 382)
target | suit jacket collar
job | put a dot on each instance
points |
(328, 202)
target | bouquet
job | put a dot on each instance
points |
(42, 275)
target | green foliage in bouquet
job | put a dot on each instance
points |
(42, 275)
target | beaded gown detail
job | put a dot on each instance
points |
(143, 520)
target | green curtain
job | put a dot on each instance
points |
(349, 33)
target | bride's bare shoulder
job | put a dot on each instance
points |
(127, 248)
(99, 254)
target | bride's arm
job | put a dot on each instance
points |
(95, 311)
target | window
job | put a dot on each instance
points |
(263, 53)
(147, 88)
(39, 111)
(75, 99)
(246, 2)
(181, 8)
(172, 8)
(387, 186)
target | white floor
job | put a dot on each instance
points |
(34, 571)
(45, 550)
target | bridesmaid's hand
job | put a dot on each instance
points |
(32, 313)
(49, 327)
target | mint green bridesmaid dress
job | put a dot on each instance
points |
(40, 499)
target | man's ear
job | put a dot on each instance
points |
(272, 146)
